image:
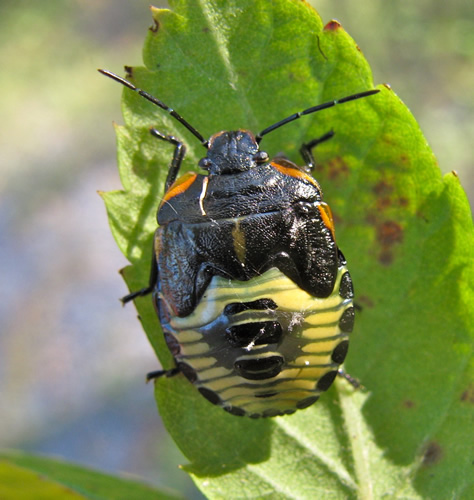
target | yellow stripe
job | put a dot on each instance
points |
(309, 372)
(319, 347)
(188, 336)
(218, 371)
(318, 333)
(193, 349)
(223, 384)
(272, 284)
(202, 363)
(313, 360)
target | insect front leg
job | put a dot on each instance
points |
(178, 155)
(306, 150)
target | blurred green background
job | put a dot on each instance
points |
(72, 361)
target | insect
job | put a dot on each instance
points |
(251, 289)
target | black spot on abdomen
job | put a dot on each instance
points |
(259, 368)
(258, 333)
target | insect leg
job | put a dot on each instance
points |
(178, 155)
(353, 381)
(152, 282)
(306, 149)
(161, 373)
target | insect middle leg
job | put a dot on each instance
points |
(151, 283)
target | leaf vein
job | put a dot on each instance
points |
(335, 468)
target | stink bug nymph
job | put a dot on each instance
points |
(251, 290)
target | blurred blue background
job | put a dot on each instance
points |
(72, 360)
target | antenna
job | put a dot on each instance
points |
(155, 101)
(308, 111)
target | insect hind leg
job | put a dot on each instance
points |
(162, 373)
(349, 378)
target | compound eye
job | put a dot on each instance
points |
(260, 157)
(205, 163)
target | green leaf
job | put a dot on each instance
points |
(28, 476)
(406, 231)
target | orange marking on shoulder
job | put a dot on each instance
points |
(328, 220)
(179, 186)
(290, 169)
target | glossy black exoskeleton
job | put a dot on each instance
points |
(250, 287)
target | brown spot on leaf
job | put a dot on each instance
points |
(389, 233)
(382, 188)
(387, 86)
(433, 453)
(155, 27)
(296, 77)
(402, 201)
(205, 29)
(128, 71)
(365, 301)
(337, 167)
(408, 403)
(468, 395)
(388, 140)
(383, 203)
(332, 25)
(404, 158)
(385, 197)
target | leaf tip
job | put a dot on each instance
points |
(155, 12)
(332, 25)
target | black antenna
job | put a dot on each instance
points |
(155, 101)
(308, 111)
